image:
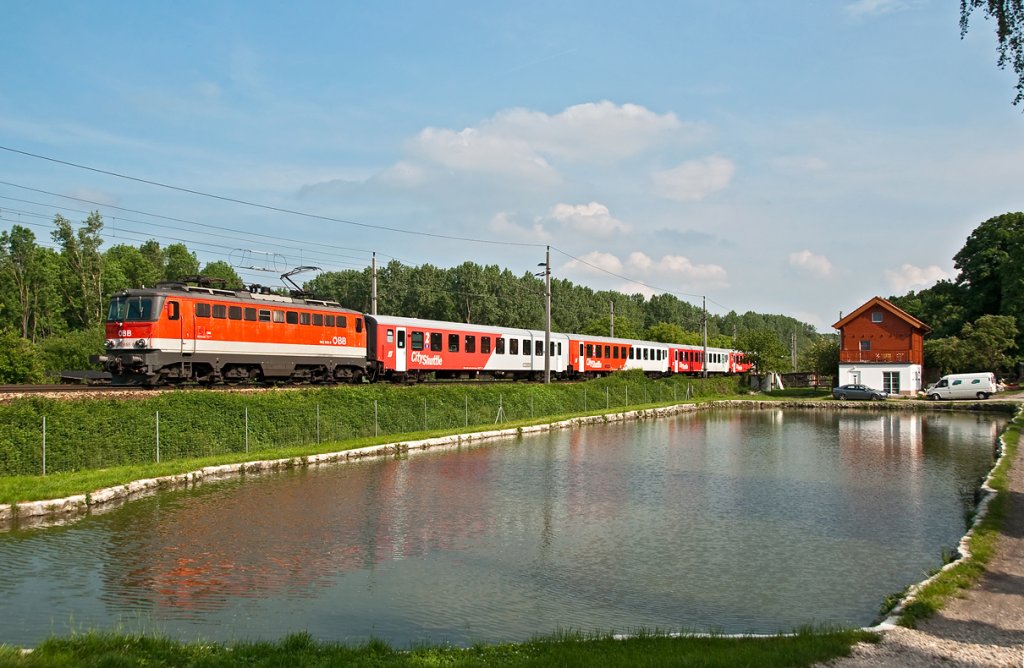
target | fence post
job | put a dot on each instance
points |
(584, 399)
(606, 399)
(424, 413)
(375, 428)
(531, 406)
(158, 437)
(627, 395)
(44, 446)
(318, 424)
(246, 430)
(467, 410)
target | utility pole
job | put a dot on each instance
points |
(704, 334)
(547, 313)
(792, 350)
(373, 284)
(611, 320)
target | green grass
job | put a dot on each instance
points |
(952, 582)
(94, 444)
(565, 650)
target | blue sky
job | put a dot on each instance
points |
(790, 157)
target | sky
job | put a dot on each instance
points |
(794, 157)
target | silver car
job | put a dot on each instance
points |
(855, 391)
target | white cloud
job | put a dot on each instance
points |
(674, 269)
(472, 150)
(695, 179)
(593, 218)
(816, 265)
(502, 224)
(875, 7)
(908, 276)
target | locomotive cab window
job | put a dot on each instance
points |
(173, 312)
(417, 340)
(359, 325)
(202, 310)
(453, 343)
(145, 309)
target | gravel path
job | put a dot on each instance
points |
(985, 627)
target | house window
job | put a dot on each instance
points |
(891, 382)
(876, 316)
(865, 345)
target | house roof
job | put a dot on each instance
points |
(888, 306)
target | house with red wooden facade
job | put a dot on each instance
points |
(882, 346)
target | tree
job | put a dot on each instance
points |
(18, 362)
(82, 269)
(668, 332)
(29, 275)
(822, 356)
(180, 262)
(1009, 16)
(987, 340)
(764, 350)
(945, 354)
(221, 269)
(625, 328)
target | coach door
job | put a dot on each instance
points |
(400, 348)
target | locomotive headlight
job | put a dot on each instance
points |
(141, 343)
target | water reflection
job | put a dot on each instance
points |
(733, 520)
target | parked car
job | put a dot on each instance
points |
(854, 391)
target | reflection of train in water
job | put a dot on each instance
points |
(178, 332)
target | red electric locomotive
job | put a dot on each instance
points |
(191, 333)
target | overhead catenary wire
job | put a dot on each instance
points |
(314, 216)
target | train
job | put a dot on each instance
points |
(197, 333)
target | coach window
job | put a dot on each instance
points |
(342, 321)
(559, 347)
(615, 352)
(526, 346)
(329, 321)
(172, 311)
(551, 351)
(538, 348)
(485, 344)
(292, 317)
(590, 349)
(453, 343)
(318, 319)
(220, 311)
(303, 318)
(417, 340)
(234, 313)
(202, 310)
(499, 346)
(513, 346)
(470, 343)
(359, 325)
(435, 341)
(401, 338)
(264, 315)
(278, 316)
(608, 352)
(597, 352)
(391, 336)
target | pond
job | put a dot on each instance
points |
(735, 521)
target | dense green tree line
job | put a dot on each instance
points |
(977, 319)
(53, 298)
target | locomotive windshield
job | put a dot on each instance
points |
(134, 308)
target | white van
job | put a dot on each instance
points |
(963, 386)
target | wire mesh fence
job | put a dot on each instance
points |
(42, 439)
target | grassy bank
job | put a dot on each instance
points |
(803, 649)
(949, 583)
(96, 443)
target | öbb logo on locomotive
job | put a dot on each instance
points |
(193, 333)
